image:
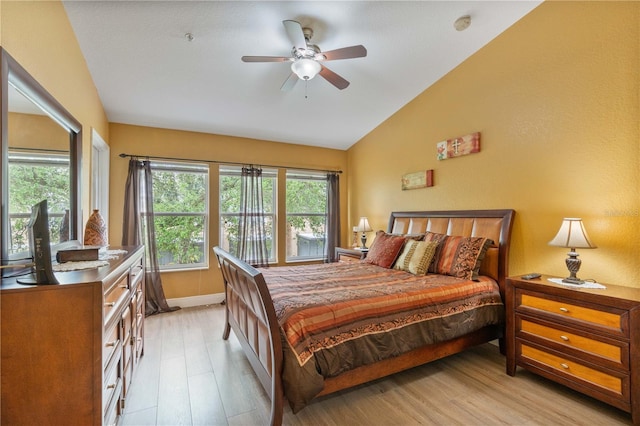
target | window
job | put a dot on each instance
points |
(181, 214)
(35, 176)
(306, 214)
(230, 208)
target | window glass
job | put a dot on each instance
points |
(181, 214)
(33, 177)
(306, 214)
(230, 212)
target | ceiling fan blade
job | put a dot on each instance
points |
(265, 59)
(358, 51)
(295, 34)
(333, 78)
(289, 82)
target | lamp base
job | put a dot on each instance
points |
(573, 265)
(363, 239)
(570, 280)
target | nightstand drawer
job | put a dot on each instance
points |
(600, 381)
(610, 319)
(613, 351)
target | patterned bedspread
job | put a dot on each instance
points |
(323, 306)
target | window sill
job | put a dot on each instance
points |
(195, 268)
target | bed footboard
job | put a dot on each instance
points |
(250, 313)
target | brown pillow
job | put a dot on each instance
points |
(461, 256)
(416, 256)
(385, 249)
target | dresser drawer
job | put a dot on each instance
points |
(136, 276)
(139, 300)
(583, 376)
(612, 352)
(127, 335)
(111, 344)
(112, 410)
(127, 377)
(115, 299)
(112, 385)
(612, 320)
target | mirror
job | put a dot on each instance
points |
(41, 159)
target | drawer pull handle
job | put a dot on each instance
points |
(111, 386)
(123, 286)
(110, 304)
(111, 344)
(565, 338)
(565, 366)
(565, 310)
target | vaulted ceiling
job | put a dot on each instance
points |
(149, 72)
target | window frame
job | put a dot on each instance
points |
(195, 168)
(312, 175)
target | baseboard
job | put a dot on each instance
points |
(205, 299)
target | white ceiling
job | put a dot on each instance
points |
(147, 72)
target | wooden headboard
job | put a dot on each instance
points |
(493, 224)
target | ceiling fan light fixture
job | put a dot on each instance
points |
(305, 68)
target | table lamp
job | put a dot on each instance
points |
(364, 227)
(572, 235)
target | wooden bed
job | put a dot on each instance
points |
(251, 314)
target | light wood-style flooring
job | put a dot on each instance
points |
(190, 376)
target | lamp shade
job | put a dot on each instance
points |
(305, 68)
(363, 225)
(572, 234)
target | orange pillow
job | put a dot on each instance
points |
(385, 249)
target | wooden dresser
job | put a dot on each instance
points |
(69, 351)
(586, 339)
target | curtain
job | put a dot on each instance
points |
(333, 216)
(252, 244)
(138, 228)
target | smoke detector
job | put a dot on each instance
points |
(462, 23)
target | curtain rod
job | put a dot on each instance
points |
(123, 155)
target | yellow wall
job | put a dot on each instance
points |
(146, 141)
(555, 98)
(38, 35)
(36, 131)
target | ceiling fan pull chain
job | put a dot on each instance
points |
(306, 84)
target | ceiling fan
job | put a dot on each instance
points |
(307, 58)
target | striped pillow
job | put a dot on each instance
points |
(438, 238)
(416, 256)
(461, 256)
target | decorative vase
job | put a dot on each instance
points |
(95, 233)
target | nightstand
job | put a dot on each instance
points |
(586, 339)
(350, 255)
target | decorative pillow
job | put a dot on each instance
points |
(461, 256)
(439, 238)
(416, 256)
(385, 249)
